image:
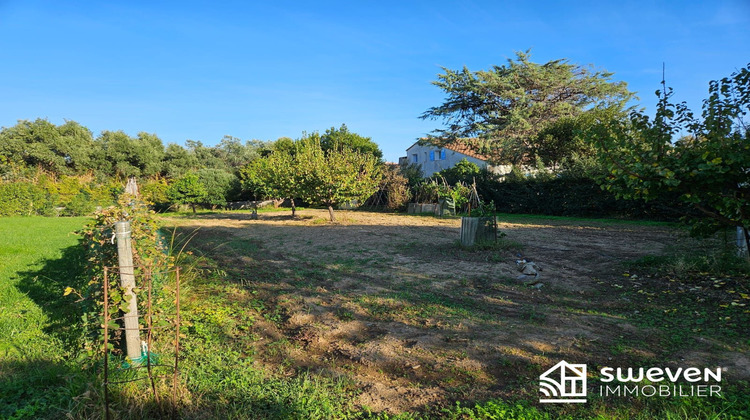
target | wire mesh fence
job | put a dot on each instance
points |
(158, 364)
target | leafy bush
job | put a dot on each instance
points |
(24, 199)
(396, 189)
(187, 190)
(218, 185)
(435, 190)
(80, 205)
(427, 191)
(104, 194)
(155, 193)
(393, 191)
(76, 195)
(413, 173)
(463, 171)
(62, 189)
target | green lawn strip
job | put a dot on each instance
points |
(245, 212)
(39, 257)
(536, 218)
(519, 218)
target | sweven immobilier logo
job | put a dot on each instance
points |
(566, 383)
(563, 383)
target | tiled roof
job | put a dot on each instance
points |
(460, 146)
(466, 150)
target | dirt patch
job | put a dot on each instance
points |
(393, 303)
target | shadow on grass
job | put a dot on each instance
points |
(47, 389)
(46, 287)
(39, 388)
(58, 386)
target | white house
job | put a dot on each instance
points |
(434, 159)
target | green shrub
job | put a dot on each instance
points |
(155, 192)
(218, 185)
(24, 199)
(79, 195)
(79, 205)
(105, 194)
(62, 189)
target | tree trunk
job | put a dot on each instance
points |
(294, 208)
(193, 206)
(330, 212)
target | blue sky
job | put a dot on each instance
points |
(263, 70)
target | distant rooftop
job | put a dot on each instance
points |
(466, 150)
(460, 146)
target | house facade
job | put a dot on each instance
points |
(434, 159)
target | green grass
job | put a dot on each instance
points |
(206, 212)
(39, 257)
(27, 280)
(685, 293)
(536, 218)
(521, 218)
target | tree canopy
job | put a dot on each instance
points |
(707, 167)
(342, 138)
(218, 185)
(272, 176)
(507, 106)
(319, 177)
(335, 177)
(64, 149)
(187, 190)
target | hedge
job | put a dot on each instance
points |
(24, 199)
(570, 196)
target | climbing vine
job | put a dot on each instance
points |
(149, 254)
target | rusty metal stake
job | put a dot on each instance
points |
(176, 343)
(149, 336)
(106, 342)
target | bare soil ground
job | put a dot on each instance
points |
(392, 302)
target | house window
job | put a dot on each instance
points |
(415, 158)
(432, 155)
